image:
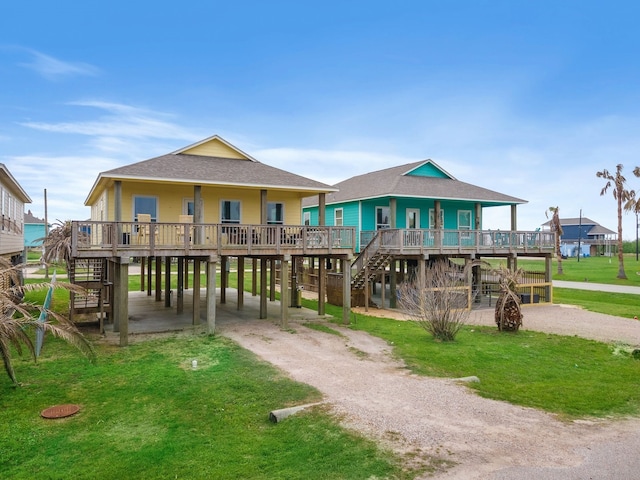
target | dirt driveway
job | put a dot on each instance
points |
(431, 418)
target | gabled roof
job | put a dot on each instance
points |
(424, 179)
(12, 184)
(212, 161)
(31, 218)
(585, 223)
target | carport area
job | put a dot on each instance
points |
(149, 316)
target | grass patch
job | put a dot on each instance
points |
(147, 414)
(569, 376)
(618, 304)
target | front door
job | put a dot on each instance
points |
(413, 222)
(413, 218)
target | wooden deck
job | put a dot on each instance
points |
(93, 239)
(466, 242)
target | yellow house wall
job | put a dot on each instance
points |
(215, 149)
(170, 199)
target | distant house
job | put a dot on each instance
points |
(12, 201)
(34, 230)
(581, 234)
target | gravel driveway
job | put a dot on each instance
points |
(440, 419)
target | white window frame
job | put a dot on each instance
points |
(222, 209)
(276, 221)
(380, 226)
(306, 218)
(135, 212)
(465, 212)
(338, 220)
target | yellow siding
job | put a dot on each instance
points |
(170, 200)
(215, 148)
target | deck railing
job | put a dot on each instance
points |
(118, 238)
(446, 241)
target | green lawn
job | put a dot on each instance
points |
(569, 376)
(145, 413)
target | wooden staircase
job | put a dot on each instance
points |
(371, 261)
(90, 274)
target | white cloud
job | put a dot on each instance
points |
(53, 68)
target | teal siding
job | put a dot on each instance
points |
(32, 232)
(367, 209)
(428, 170)
(314, 214)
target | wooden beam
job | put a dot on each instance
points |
(149, 270)
(158, 279)
(196, 292)
(346, 289)
(223, 279)
(284, 292)
(211, 296)
(180, 287)
(167, 282)
(272, 280)
(240, 283)
(322, 286)
(263, 288)
(121, 300)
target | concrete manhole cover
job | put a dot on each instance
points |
(60, 411)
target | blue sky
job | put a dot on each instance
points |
(528, 98)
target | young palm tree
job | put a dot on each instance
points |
(622, 196)
(57, 244)
(20, 320)
(556, 227)
(508, 312)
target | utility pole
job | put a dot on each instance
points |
(46, 233)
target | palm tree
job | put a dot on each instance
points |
(622, 196)
(556, 227)
(508, 312)
(18, 319)
(57, 244)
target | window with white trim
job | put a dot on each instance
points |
(275, 213)
(338, 216)
(464, 219)
(230, 211)
(383, 214)
(145, 204)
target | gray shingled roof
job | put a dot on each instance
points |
(214, 170)
(393, 182)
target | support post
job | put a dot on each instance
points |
(322, 285)
(223, 280)
(211, 296)
(180, 287)
(196, 292)
(158, 279)
(254, 277)
(346, 290)
(263, 288)
(272, 280)
(121, 300)
(393, 297)
(167, 282)
(149, 270)
(284, 292)
(240, 282)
